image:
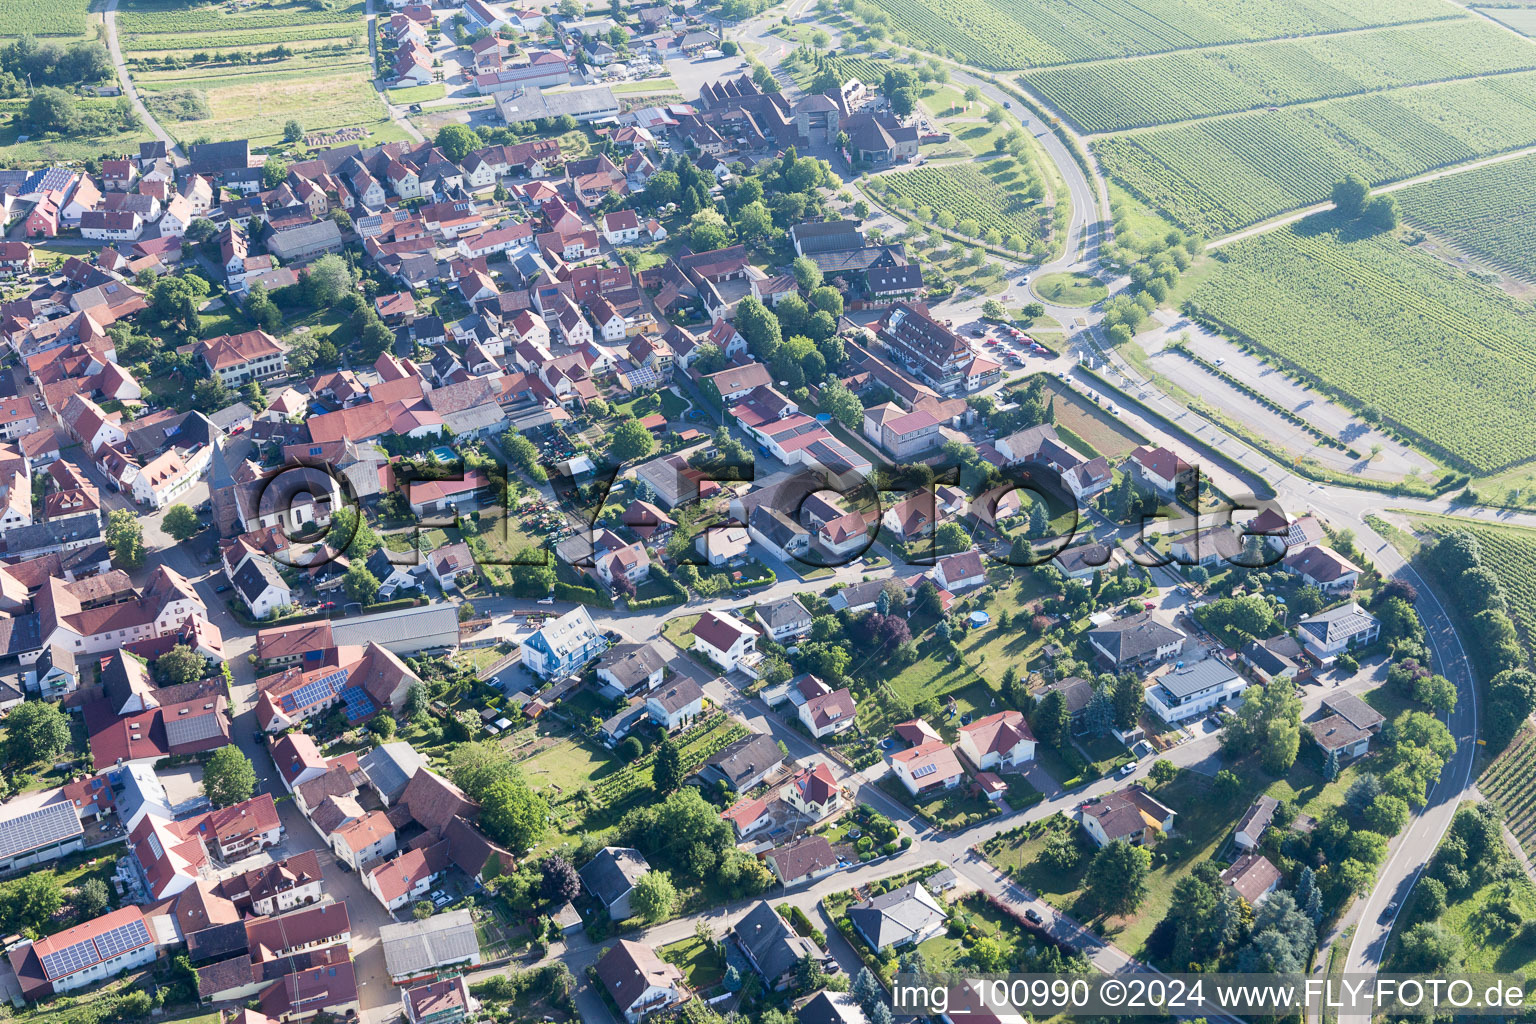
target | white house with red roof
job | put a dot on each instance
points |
(928, 766)
(1159, 468)
(813, 792)
(620, 227)
(1323, 568)
(959, 571)
(829, 713)
(724, 639)
(1003, 740)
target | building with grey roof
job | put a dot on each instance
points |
(901, 917)
(533, 104)
(1330, 633)
(1193, 689)
(415, 949)
(611, 876)
(406, 631)
(389, 766)
(39, 835)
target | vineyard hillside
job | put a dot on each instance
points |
(998, 195)
(1109, 96)
(1224, 173)
(1485, 212)
(1510, 783)
(1438, 354)
(1002, 34)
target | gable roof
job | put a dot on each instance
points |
(897, 916)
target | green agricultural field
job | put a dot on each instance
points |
(324, 82)
(1482, 212)
(1110, 96)
(995, 194)
(1001, 34)
(1344, 308)
(1217, 175)
(45, 17)
(1509, 552)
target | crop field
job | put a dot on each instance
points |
(1441, 356)
(1482, 211)
(325, 83)
(1109, 96)
(1510, 782)
(969, 191)
(1509, 552)
(1003, 34)
(45, 17)
(1221, 174)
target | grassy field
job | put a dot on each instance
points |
(1029, 33)
(1069, 288)
(995, 194)
(1461, 353)
(1481, 212)
(1509, 552)
(418, 93)
(1220, 174)
(1108, 96)
(324, 83)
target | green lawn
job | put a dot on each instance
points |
(418, 93)
(992, 649)
(677, 630)
(702, 966)
(1069, 289)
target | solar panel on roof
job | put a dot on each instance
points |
(121, 939)
(42, 827)
(927, 769)
(70, 959)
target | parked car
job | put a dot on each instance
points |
(221, 588)
(1127, 769)
(1032, 915)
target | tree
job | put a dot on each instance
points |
(360, 584)
(28, 903)
(273, 172)
(52, 110)
(1128, 695)
(457, 141)
(180, 665)
(1163, 772)
(126, 538)
(512, 814)
(807, 273)
(1428, 948)
(1349, 196)
(228, 776)
(667, 767)
(842, 404)
(654, 897)
(90, 899)
(210, 395)
(951, 537)
(327, 280)
(1052, 721)
(293, 131)
(630, 442)
(35, 731)
(754, 222)
(1099, 714)
(382, 726)
(1117, 878)
(1381, 213)
(559, 882)
(180, 522)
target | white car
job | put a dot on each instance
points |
(1127, 769)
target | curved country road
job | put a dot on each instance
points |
(109, 18)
